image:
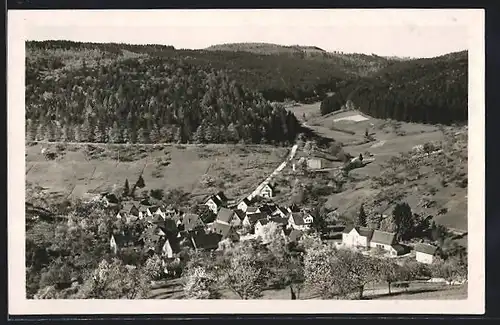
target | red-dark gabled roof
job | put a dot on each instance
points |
(225, 215)
(425, 248)
(241, 215)
(383, 237)
(362, 231)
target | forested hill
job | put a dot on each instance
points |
(276, 77)
(352, 64)
(92, 94)
(431, 90)
(266, 48)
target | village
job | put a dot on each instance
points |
(168, 230)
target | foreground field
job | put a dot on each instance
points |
(172, 289)
(390, 139)
(197, 170)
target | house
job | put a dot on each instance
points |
(424, 253)
(315, 163)
(118, 241)
(191, 221)
(244, 204)
(171, 247)
(282, 212)
(296, 221)
(357, 237)
(222, 197)
(228, 216)
(308, 218)
(252, 210)
(205, 241)
(387, 242)
(225, 230)
(268, 208)
(214, 203)
(267, 191)
(240, 214)
(279, 220)
(259, 225)
(251, 219)
(110, 199)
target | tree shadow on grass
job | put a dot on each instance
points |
(404, 292)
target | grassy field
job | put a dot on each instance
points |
(172, 289)
(390, 138)
(194, 169)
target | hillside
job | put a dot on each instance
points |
(276, 77)
(424, 90)
(352, 64)
(266, 48)
(95, 95)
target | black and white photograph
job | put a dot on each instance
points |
(251, 156)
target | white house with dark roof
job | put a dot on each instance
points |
(214, 204)
(424, 253)
(267, 191)
(296, 221)
(244, 204)
(259, 226)
(357, 237)
(387, 242)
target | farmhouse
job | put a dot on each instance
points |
(118, 241)
(215, 202)
(424, 253)
(357, 237)
(244, 204)
(387, 242)
(267, 191)
(259, 226)
(171, 247)
(240, 215)
(251, 219)
(296, 221)
(225, 231)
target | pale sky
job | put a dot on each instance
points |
(413, 33)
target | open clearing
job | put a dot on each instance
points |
(354, 118)
(390, 138)
(236, 169)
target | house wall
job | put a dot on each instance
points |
(242, 206)
(266, 192)
(258, 229)
(383, 246)
(353, 239)
(167, 250)
(314, 163)
(235, 221)
(424, 258)
(211, 204)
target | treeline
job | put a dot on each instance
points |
(425, 91)
(149, 100)
(277, 77)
